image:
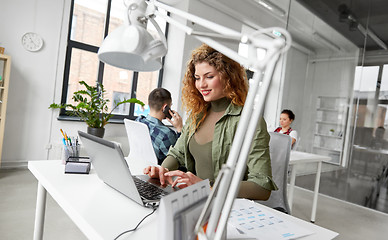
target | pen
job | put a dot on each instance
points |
(62, 133)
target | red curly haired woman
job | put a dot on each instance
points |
(214, 92)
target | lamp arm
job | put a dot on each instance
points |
(184, 28)
(198, 20)
(215, 35)
(240, 164)
(206, 38)
(228, 169)
(222, 32)
(219, 203)
(189, 30)
(161, 35)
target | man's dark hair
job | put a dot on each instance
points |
(158, 97)
(290, 114)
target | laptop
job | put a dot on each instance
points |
(111, 167)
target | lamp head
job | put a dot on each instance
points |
(131, 46)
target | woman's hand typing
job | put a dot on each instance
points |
(184, 179)
(158, 172)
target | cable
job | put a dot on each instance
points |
(55, 83)
(136, 225)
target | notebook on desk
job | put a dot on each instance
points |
(111, 167)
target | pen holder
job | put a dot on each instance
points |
(70, 152)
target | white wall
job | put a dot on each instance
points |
(33, 76)
(173, 72)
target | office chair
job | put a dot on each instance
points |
(296, 144)
(280, 148)
(140, 144)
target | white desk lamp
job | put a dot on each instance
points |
(131, 46)
(145, 51)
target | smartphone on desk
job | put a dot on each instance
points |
(166, 112)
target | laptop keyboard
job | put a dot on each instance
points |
(147, 190)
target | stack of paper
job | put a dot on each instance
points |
(253, 221)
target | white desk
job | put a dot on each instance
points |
(101, 212)
(296, 158)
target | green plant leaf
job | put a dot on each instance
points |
(91, 106)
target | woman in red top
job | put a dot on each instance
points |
(286, 118)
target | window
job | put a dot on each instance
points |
(90, 22)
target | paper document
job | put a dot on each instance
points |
(253, 220)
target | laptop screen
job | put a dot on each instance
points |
(110, 165)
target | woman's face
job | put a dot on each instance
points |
(285, 120)
(208, 82)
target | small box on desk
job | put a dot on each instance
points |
(78, 165)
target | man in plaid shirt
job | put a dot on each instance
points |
(162, 136)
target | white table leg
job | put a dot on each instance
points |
(316, 191)
(292, 185)
(40, 212)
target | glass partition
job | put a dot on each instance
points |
(335, 79)
(319, 76)
(342, 113)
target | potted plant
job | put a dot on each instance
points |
(92, 108)
(332, 131)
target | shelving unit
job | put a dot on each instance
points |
(330, 125)
(5, 68)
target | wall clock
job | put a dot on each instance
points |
(32, 41)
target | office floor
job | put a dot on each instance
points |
(18, 198)
(351, 186)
